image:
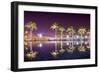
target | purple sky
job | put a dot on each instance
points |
(45, 19)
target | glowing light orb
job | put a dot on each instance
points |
(67, 36)
(67, 43)
(40, 35)
(77, 43)
(40, 45)
(86, 37)
(77, 37)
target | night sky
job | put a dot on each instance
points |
(45, 19)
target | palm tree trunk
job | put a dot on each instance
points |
(81, 39)
(72, 40)
(81, 43)
(61, 40)
(55, 40)
(30, 43)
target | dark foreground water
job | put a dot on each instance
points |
(44, 51)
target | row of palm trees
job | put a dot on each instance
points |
(59, 33)
(70, 31)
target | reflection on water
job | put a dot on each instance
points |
(63, 44)
(57, 50)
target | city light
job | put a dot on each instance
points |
(40, 35)
(77, 37)
(40, 45)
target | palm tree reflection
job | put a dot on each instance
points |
(88, 39)
(55, 27)
(31, 26)
(61, 29)
(63, 40)
(31, 55)
(70, 31)
(81, 32)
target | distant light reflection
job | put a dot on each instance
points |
(40, 35)
(40, 45)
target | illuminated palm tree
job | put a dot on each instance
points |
(71, 49)
(81, 32)
(55, 27)
(31, 26)
(31, 55)
(61, 29)
(26, 40)
(82, 48)
(71, 33)
(70, 30)
(88, 39)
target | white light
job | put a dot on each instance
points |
(77, 43)
(40, 45)
(86, 37)
(40, 35)
(67, 36)
(77, 37)
(67, 43)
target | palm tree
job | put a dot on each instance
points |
(70, 30)
(82, 48)
(61, 29)
(81, 32)
(31, 55)
(26, 40)
(55, 27)
(71, 49)
(88, 39)
(31, 26)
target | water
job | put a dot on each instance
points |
(65, 50)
